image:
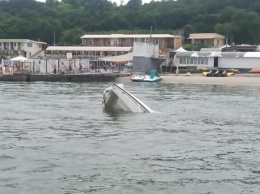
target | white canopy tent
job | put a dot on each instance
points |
(195, 54)
(19, 58)
(119, 58)
(180, 50)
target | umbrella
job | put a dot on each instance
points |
(19, 58)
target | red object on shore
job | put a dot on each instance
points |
(255, 70)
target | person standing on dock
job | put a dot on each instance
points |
(70, 68)
(80, 68)
(90, 67)
(54, 69)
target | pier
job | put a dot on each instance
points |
(89, 77)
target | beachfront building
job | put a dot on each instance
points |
(243, 61)
(166, 42)
(88, 52)
(28, 48)
(213, 39)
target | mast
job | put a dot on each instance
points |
(54, 38)
(151, 34)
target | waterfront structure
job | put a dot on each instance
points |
(166, 42)
(28, 48)
(89, 52)
(213, 39)
(231, 60)
(145, 57)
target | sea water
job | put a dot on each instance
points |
(57, 138)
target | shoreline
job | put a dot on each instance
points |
(237, 79)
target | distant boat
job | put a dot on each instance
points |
(115, 97)
(153, 76)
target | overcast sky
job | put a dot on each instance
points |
(125, 1)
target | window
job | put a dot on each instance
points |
(184, 60)
(195, 60)
(29, 44)
(202, 61)
(181, 60)
(191, 60)
(206, 61)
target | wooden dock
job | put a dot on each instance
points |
(89, 77)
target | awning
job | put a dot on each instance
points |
(119, 58)
(88, 48)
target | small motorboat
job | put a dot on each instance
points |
(116, 97)
(153, 76)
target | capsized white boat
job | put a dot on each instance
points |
(118, 98)
(153, 76)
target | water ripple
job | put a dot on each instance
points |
(57, 138)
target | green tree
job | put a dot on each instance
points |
(71, 37)
(188, 29)
(242, 25)
(134, 3)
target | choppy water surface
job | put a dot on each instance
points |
(56, 138)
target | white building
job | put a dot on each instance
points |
(25, 47)
(230, 60)
(85, 51)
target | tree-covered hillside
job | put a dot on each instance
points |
(69, 19)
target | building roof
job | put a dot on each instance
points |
(119, 58)
(252, 54)
(220, 54)
(20, 40)
(87, 48)
(129, 36)
(211, 49)
(200, 54)
(205, 36)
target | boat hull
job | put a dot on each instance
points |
(115, 97)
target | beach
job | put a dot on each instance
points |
(238, 79)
